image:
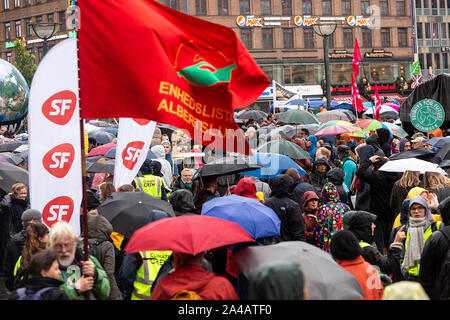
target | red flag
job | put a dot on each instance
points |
(356, 98)
(142, 59)
(377, 104)
(356, 59)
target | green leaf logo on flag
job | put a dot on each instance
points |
(415, 68)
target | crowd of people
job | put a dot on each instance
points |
(389, 230)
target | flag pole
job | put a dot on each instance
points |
(83, 173)
(274, 98)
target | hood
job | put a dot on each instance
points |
(405, 290)
(416, 191)
(401, 145)
(156, 215)
(330, 193)
(360, 223)
(383, 135)
(158, 151)
(422, 201)
(99, 227)
(444, 208)
(405, 212)
(301, 143)
(182, 201)
(307, 196)
(322, 160)
(246, 187)
(365, 152)
(191, 278)
(336, 176)
(281, 185)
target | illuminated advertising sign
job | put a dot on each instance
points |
(305, 21)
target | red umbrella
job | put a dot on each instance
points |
(189, 234)
(101, 150)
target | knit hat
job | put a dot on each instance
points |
(343, 150)
(444, 208)
(344, 246)
(31, 214)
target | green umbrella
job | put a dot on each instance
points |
(284, 147)
(297, 117)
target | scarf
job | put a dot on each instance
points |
(416, 241)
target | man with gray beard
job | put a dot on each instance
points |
(78, 276)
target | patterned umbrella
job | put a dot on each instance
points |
(396, 130)
(335, 127)
(369, 124)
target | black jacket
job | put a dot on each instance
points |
(37, 283)
(178, 184)
(203, 196)
(182, 201)
(299, 188)
(292, 225)
(431, 261)
(13, 251)
(381, 184)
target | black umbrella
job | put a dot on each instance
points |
(101, 136)
(226, 165)
(101, 166)
(11, 174)
(101, 123)
(421, 153)
(13, 158)
(128, 211)
(253, 115)
(444, 164)
(11, 146)
(444, 153)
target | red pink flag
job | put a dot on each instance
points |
(356, 59)
(377, 104)
(142, 59)
(356, 97)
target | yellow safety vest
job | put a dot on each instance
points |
(414, 271)
(363, 244)
(150, 184)
(17, 266)
(146, 274)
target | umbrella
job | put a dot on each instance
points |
(284, 147)
(101, 136)
(444, 164)
(89, 127)
(101, 166)
(22, 148)
(369, 124)
(3, 159)
(266, 129)
(338, 127)
(293, 130)
(297, 117)
(396, 130)
(226, 165)
(444, 153)
(326, 280)
(421, 153)
(12, 157)
(11, 174)
(11, 146)
(296, 102)
(256, 218)
(384, 108)
(272, 164)
(438, 142)
(101, 150)
(325, 116)
(189, 234)
(112, 154)
(253, 115)
(394, 106)
(128, 211)
(411, 164)
(101, 123)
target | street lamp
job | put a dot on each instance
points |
(325, 30)
(44, 31)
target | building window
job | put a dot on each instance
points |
(267, 37)
(27, 2)
(384, 8)
(16, 3)
(418, 4)
(427, 30)
(286, 7)
(200, 7)
(435, 30)
(445, 60)
(326, 7)
(437, 61)
(346, 7)
(38, 19)
(421, 61)
(308, 38)
(367, 38)
(223, 7)
(50, 17)
(62, 20)
(9, 57)
(174, 4)
(288, 38)
(18, 29)
(6, 2)
(401, 8)
(443, 31)
(434, 4)
(330, 40)
(37, 2)
(28, 23)
(244, 6)
(365, 7)
(265, 7)
(246, 37)
(419, 30)
(442, 4)
(402, 37)
(426, 4)
(429, 62)
(307, 7)
(7, 31)
(348, 37)
(385, 37)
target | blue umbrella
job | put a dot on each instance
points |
(438, 142)
(253, 216)
(272, 164)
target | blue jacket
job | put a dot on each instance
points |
(349, 166)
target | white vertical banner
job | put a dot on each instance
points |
(54, 137)
(133, 142)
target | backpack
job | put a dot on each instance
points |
(187, 295)
(94, 250)
(443, 278)
(26, 294)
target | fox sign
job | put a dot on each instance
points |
(54, 137)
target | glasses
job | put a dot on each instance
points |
(60, 246)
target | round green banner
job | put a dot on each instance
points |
(427, 115)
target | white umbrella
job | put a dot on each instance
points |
(411, 164)
(384, 108)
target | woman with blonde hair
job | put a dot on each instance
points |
(409, 180)
(437, 183)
